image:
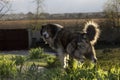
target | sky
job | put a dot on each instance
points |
(59, 6)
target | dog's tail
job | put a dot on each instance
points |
(92, 31)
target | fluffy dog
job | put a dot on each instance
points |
(77, 45)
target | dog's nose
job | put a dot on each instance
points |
(44, 36)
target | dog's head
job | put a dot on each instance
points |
(48, 31)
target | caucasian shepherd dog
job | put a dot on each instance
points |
(78, 45)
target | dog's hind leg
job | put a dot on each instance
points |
(93, 55)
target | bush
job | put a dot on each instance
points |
(36, 53)
(19, 61)
(8, 68)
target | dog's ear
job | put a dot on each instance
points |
(54, 30)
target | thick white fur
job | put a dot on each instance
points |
(58, 25)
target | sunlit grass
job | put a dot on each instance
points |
(105, 57)
(107, 67)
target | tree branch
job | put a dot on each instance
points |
(4, 7)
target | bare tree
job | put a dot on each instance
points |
(4, 7)
(112, 9)
(39, 10)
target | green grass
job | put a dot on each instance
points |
(7, 56)
(108, 57)
(105, 56)
(107, 67)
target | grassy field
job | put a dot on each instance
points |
(29, 23)
(27, 67)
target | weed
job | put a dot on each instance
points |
(8, 68)
(19, 61)
(36, 53)
(53, 63)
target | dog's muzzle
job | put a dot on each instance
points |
(45, 35)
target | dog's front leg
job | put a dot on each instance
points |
(62, 57)
(66, 58)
